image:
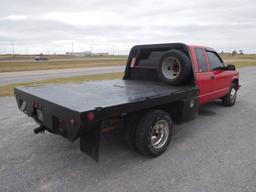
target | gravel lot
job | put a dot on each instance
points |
(215, 152)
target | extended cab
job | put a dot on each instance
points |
(213, 78)
(163, 84)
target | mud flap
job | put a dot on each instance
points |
(90, 142)
(188, 109)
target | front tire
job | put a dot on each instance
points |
(153, 133)
(230, 98)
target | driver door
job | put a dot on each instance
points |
(219, 77)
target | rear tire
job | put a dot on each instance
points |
(131, 123)
(230, 98)
(153, 133)
(174, 67)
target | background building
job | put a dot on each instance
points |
(85, 53)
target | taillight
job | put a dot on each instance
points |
(59, 126)
(90, 116)
(34, 104)
(62, 127)
(37, 105)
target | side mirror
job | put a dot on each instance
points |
(230, 67)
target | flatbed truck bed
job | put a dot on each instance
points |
(111, 98)
(107, 95)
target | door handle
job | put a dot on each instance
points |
(212, 77)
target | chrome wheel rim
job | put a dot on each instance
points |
(171, 68)
(232, 95)
(159, 134)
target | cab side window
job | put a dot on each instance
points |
(215, 61)
(201, 60)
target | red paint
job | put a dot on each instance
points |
(212, 84)
(90, 116)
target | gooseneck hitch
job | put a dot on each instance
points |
(39, 129)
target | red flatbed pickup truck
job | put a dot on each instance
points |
(163, 84)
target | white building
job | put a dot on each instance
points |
(79, 54)
(85, 53)
(99, 54)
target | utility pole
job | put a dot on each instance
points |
(13, 52)
(91, 48)
(72, 48)
(113, 49)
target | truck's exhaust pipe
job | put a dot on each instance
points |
(39, 129)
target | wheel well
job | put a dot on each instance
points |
(179, 110)
(235, 81)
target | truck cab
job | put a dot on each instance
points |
(208, 73)
(213, 77)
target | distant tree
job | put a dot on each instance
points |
(222, 52)
(241, 52)
(234, 53)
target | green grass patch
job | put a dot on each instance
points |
(7, 90)
(8, 66)
(238, 57)
(64, 62)
(241, 64)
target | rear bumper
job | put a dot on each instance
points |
(55, 119)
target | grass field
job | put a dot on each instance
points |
(228, 56)
(7, 90)
(240, 64)
(51, 57)
(29, 65)
(240, 60)
(26, 63)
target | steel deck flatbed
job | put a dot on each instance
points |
(105, 99)
(106, 94)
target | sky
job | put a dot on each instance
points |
(114, 26)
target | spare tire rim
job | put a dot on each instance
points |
(159, 134)
(171, 68)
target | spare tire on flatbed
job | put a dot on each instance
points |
(174, 67)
